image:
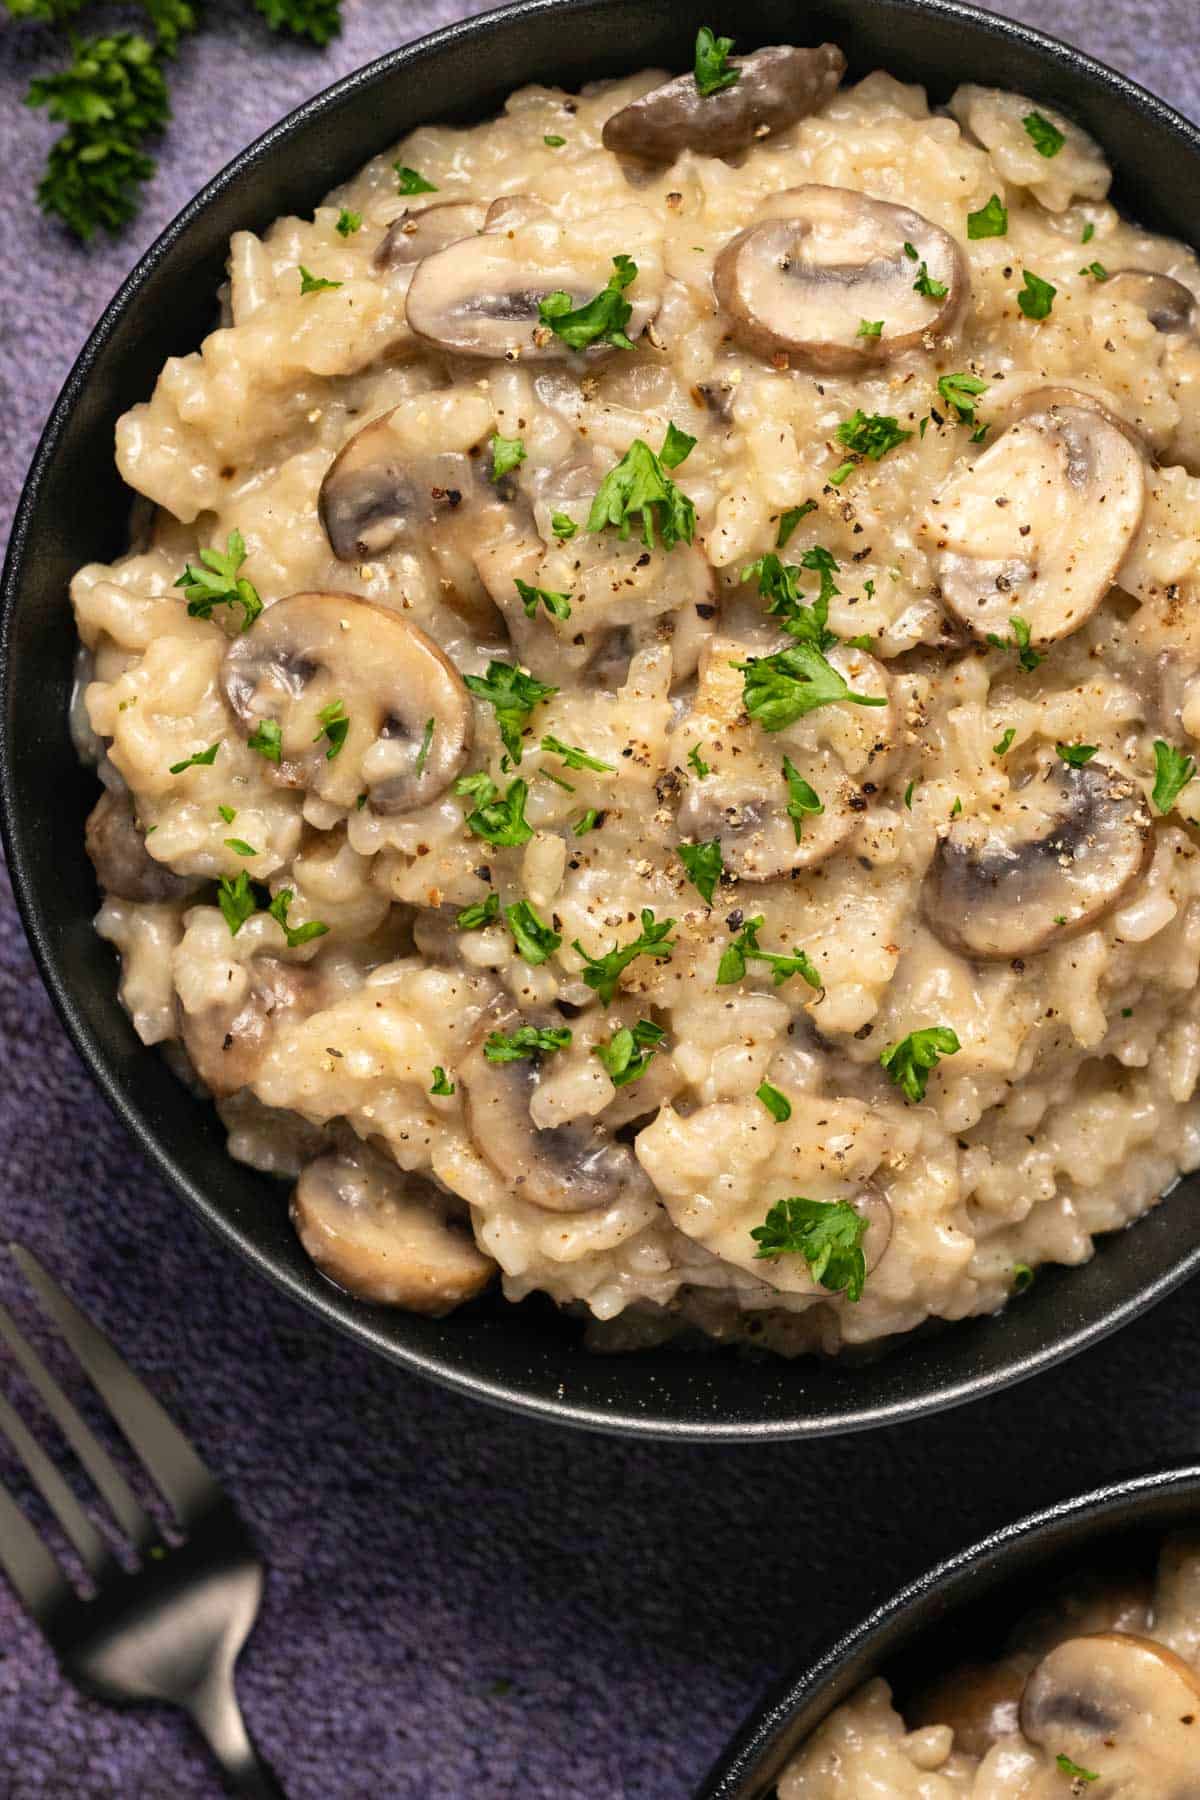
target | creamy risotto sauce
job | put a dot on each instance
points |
(1097, 1694)
(646, 727)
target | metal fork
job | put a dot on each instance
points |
(171, 1630)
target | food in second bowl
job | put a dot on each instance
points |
(648, 736)
(1098, 1694)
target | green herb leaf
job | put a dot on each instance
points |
(909, 791)
(228, 813)
(215, 581)
(1027, 656)
(483, 912)
(563, 525)
(1173, 769)
(872, 436)
(514, 696)
(712, 63)
(502, 822)
(777, 1104)
(925, 284)
(576, 758)
(507, 454)
(780, 689)
(478, 788)
(267, 739)
(1088, 233)
(789, 520)
(1073, 1769)
(630, 1051)
(601, 319)
(990, 221)
(558, 605)
(1047, 139)
(697, 763)
(1076, 755)
(314, 284)
(236, 899)
(442, 1085)
(960, 393)
(586, 822)
(870, 328)
(348, 223)
(802, 798)
(705, 866)
(828, 1234)
(410, 182)
(526, 1041)
(333, 725)
(202, 758)
(1005, 744)
(240, 847)
(426, 746)
(779, 585)
(909, 1062)
(295, 934)
(677, 446)
(639, 486)
(535, 940)
(1036, 297)
(1022, 1276)
(745, 948)
(553, 141)
(603, 973)
(1096, 270)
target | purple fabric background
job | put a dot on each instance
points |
(461, 1603)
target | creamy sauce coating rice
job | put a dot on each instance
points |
(891, 832)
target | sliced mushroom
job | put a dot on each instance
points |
(1054, 859)
(776, 87)
(576, 1167)
(421, 231)
(1125, 1709)
(123, 864)
(511, 211)
(227, 1044)
(480, 297)
(820, 260)
(386, 1235)
(1039, 525)
(1168, 304)
(1042, 399)
(409, 719)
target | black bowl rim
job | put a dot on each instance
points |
(950, 1586)
(509, 1395)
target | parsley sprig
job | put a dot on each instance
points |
(639, 486)
(828, 1234)
(215, 581)
(712, 63)
(782, 688)
(600, 320)
(909, 1062)
(745, 948)
(630, 1051)
(603, 973)
(513, 694)
(1173, 769)
(526, 1041)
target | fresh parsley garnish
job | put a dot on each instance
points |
(872, 436)
(789, 520)
(638, 485)
(408, 181)
(576, 758)
(697, 764)
(563, 525)
(553, 141)
(240, 847)
(630, 1051)
(333, 725)
(990, 221)
(202, 758)
(1020, 641)
(1036, 296)
(525, 1041)
(782, 688)
(925, 284)
(501, 821)
(1005, 744)
(705, 866)
(712, 69)
(478, 788)
(295, 934)
(267, 739)
(1046, 138)
(1088, 233)
(557, 605)
(483, 912)
(1073, 1769)
(909, 791)
(228, 813)
(779, 585)
(216, 582)
(1096, 270)
(507, 454)
(909, 1062)
(1076, 755)
(514, 695)
(802, 798)
(587, 821)
(745, 948)
(1022, 1277)
(426, 746)
(828, 1234)
(348, 223)
(960, 393)
(314, 284)
(603, 973)
(870, 328)
(1173, 769)
(236, 899)
(535, 940)
(442, 1084)
(602, 319)
(777, 1104)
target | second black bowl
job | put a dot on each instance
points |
(73, 511)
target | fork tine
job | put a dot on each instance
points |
(123, 1503)
(28, 1564)
(98, 1559)
(149, 1430)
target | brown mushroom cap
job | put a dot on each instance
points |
(123, 864)
(307, 651)
(576, 1167)
(227, 1044)
(386, 1235)
(823, 259)
(776, 87)
(1052, 399)
(1061, 853)
(1168, 304)
(1039, 525)
(1125, 1709)
(422, 230)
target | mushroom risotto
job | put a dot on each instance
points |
(647, 725)
(1096, 1694)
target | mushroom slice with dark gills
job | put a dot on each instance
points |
(1174, 312)
(1039, 525)
(753, 778)
(480, 297)
(386, 1235)
(1126, 1709)
(420, 231)
(121, 859)
(1055, 858)
(820, 260)
(227, 1043)
(316, 661)
(578, 1166)
(776, 87)
(1170, 306)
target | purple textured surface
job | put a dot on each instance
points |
(461, 1603)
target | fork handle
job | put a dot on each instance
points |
(217, 1716)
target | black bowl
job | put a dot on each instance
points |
(958, 1612)
(74, 510)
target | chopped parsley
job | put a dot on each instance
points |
(911, 251)
(782, 688)
(442, 1085)
(295, 934)
(990, 221)
(630, 1051)
(333, 725)
(1096, 270)
(779, 585)
(960, 393)
(802, 798)
(744, 949)
(201, 759)
(514, 696)
(535, 940)
(426, 746)
(1027, 656)
(1022, 1277)
(1046, 138)
(408, 181)
(563, 525)
(1005, 744)
(602, 319)
(1076, 755)
(705, 866)
(712, 70)
(553, 141)
(228, 813)
(525, 1041)
(925, 284)
(482, 912)
(1088, 233)
(501, 820)
(267, 739)
(909, 791)
(587, 821)
(603, 973)
(315, 284)
(828, 1234)
(638, 485)
(507, 454)
(1173, 769)
(216, 582)
(871, 435)
(777, 1104)
(236, 899)
(909, 1062)
(1036, 297)
(1073, 1769)
(240, 847)
(870, 328)
(348, 223)
(789, 520)
(557, 605)
(697, 764)
(576, 758)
